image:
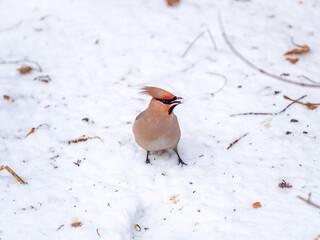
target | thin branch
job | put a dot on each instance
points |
(191, 44)
(189, 67)
(13, 173)
(309, 79)
(23, 61)
(226, 39)
(212, 40)
(83, 139)
(61, 226)
(194, 41)
(308, 104)
(292, 103)
(12, 27)
(284, 74)
(295, 43)
(308, 201)
(273, 114)
(225, 81)
(300, 76)
(45, 79)
(234, 142)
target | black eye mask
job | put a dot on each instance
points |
(167, 101)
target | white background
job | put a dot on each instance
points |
(98, 55)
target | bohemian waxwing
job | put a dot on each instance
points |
(157, 128)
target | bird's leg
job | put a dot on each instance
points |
(2, 167)
(180, 160)
(147, 159)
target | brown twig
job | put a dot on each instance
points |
(308, 201)
(2, 167)
(31, 131)
(34, 129)
(23, 61)
(309, 105)
(234, 142)
(226, 39)
(273, 114)
(98, 232)
(83, 139)
(194, 41)
(45, 79)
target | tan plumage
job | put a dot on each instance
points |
(157, 128)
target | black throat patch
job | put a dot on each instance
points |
(171, 109)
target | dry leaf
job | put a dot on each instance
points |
(267, 125)
(32, 131)
(172, 2)
(6, 97)
(256, 205)
(292, 60)
(43, 80)
(76, 224)
(311, 106)
(174, 198)
(24, 69)
(137, 227)
(300, 50)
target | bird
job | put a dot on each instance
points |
(157, 128)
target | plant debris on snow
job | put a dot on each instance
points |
(24, 69)
(83, 139)
(300, 50)
(256, 205)
(76, 224)
(284, 184)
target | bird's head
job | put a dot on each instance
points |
(162, 100)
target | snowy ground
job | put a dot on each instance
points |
(98, 54)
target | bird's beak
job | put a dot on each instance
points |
(177, 101)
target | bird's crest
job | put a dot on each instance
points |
(157, 93)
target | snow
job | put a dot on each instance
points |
(98, 54)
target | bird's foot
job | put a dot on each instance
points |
(147, 158)
(182, 163)
(180, 160)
